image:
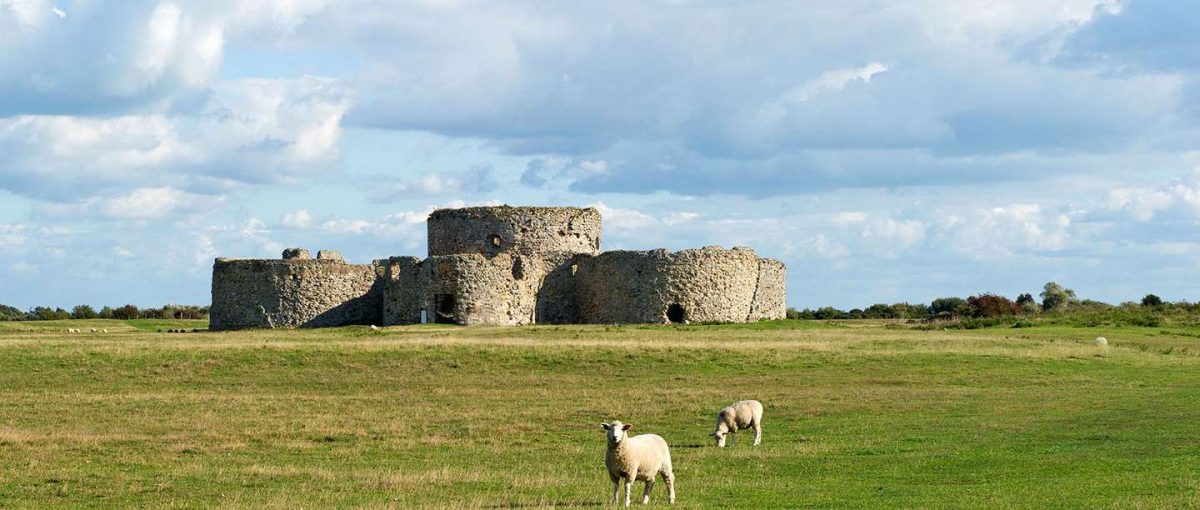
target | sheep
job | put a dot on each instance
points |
(93, 330)
(741, 415)
(639, 457)
(374, 328)
(105, 330)
(1101, 341)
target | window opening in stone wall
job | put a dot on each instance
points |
(518, 269)
(574, 269)
(675, 314)
(443, 305)
(495, 240)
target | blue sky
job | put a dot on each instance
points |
(884, 152)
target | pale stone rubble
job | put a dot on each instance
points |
(501, 266)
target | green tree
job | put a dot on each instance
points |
(1056, 297)
(11, 313)
(1028, 305)
(1152, 301)
(126, 312)
(84, 312)
(947, 306)
(45, 313)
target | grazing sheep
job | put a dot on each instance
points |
(742, 415)
(105, 330)
(374, 328)
(93, 330)
(637, 458)
(1101, 341)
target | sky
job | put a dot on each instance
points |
(885, 151)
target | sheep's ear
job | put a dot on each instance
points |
(605, 426)
(627, 426)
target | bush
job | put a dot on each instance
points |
(947, 306)
(991, 305)
(1152, 301)
(11, 313)
(45, 313)
(126, 312)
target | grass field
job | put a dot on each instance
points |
(857, 415)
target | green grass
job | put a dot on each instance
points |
(858, 415)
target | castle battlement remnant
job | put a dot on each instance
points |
(501, 266)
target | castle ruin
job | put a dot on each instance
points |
(501, 266)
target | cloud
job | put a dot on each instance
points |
(298, 219)
(153, 203)
(12, 235)
(832, 81)
(1176, 199)
(668, 99)
(1141, 35)
(547, 171)
(247, 131)
(116, 57)
(384, 188)
(1004, 231)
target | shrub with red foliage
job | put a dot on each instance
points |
(991, 305)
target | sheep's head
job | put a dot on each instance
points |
(719, 436)
(616, 430)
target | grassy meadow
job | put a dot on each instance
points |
(858, 415)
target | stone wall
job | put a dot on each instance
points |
(471, 289)
(770, 297)
(294, 292)
(405, 280)
(527, 231)
(659, 286)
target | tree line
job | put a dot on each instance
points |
(127, 312)
(1054, 299)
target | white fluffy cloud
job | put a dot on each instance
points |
(1180, 196)
(297, 219)
(117, 56)
(247, 131)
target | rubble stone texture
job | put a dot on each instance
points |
(706, 285)
(502, 266)
(293, 293)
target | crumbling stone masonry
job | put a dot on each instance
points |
(501, 266)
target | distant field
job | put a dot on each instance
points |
(858, 415)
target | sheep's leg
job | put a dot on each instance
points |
(646, 493)
(669, 477)
(616, 489)
(629, 478)
(757, 432)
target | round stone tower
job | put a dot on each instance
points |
(526, 231)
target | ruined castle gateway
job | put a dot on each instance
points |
(502, 266)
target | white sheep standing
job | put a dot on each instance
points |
(745, 414)
(639, 457)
